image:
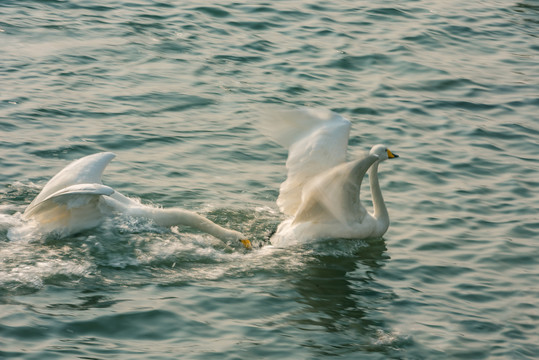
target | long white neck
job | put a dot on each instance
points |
(380, 211)
(172, 217)
(175, 216)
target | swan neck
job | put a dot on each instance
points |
(380, 210)
(174, 217)
(184, 217)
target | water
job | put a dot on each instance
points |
(174, 88)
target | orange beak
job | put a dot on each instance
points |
(247, 244)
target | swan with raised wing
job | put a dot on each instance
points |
(75, 200)
(321, 194)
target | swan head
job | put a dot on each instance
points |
(382, 152)
(232, 235)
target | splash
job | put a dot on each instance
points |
(30, 266)
(124, 245)
(390, 339)
(15, 228)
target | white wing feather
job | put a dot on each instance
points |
(69, 198)
(69, 202)
(317, 140)
(70, 210)
(87, 170)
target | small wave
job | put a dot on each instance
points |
(384, 338)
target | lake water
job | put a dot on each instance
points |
(174, 88)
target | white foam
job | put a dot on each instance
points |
(31, 265)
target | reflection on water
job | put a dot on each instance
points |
(340, 293)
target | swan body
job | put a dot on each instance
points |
(321, 194)
(75, 200)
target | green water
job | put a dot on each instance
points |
(174, 88)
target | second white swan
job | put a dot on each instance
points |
(322, 191)
(75, 200)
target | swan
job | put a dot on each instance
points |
(321, 194)
(75, 200)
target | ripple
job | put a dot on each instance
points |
(360, 62)
(148, 325)
(214, 11)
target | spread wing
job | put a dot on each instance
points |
(87, 170)
(70, 198)
(333, 196)
(316, 139)
(71, 209)
(69, 202)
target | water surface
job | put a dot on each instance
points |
(175, 88)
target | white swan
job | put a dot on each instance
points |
(321, 192)
(75, 200)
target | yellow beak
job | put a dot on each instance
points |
(390, 155)
(247, 244)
